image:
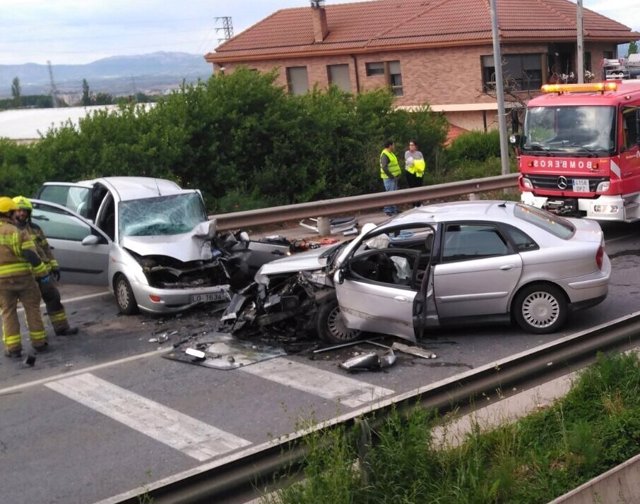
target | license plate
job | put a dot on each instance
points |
(580, 185)
(210, 297)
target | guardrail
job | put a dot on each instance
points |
(244, 475)
(324, 208)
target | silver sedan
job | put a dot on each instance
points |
(437, 265)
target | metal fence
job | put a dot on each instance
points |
(325, 208)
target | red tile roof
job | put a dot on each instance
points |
(404, 24)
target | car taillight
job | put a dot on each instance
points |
(599, 256)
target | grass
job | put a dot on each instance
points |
(533, 460)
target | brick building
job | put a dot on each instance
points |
(435, 52)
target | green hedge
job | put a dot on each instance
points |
(246, 143)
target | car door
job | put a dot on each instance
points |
(81, 249)
(477, 271)
(377, 288)
(75, 197)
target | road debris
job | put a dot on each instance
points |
(372, 361)
(223, 351)
(413, 350)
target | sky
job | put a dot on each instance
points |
(82, 31)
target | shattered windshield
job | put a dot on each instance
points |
(581, 129)
(161, 216)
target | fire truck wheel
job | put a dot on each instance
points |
(330, 327)
(540, 308)
(125, 299)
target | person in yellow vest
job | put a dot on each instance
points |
(390, 172)
(414, 165)
(49, 291)
(19, 264)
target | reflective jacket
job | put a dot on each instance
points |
(42, 245)
(393, 166)
(417, 167)
(18, 254)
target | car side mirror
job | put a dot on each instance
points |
(206, 229)
(340, 275)
(90, 240)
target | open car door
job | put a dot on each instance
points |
(81, 249)
(382, 286)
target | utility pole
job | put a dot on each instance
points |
(54, 91)
(497, 63)
(227, 28)
(580, 43)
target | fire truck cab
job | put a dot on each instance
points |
(579, 152)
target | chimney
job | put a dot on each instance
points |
(319, 17)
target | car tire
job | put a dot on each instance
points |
(124, 296)
(331, 328)
(540, 308)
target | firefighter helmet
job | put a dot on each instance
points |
(23, 203)
(7, 205)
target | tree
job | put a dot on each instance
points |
(16, 91)
(86, 94)
(633, 48)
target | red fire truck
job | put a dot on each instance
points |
(579, 152)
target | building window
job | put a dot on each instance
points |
(376, 68)
(391, 71)
(395, 78)
(339, 77)
(297, 80)
(520, 72)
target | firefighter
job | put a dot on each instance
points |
(49, 290)
(19, 264)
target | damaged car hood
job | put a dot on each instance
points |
(185, 247)
(304, 261)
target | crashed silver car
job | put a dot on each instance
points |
(436, 265)
(147, 239)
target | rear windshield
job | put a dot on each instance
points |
(556, 225)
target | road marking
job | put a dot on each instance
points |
(177, 430)
(348, 391)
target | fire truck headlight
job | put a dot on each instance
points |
(526, 183)
(603, 187)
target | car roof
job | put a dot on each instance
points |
(133, 188)
(459, 210)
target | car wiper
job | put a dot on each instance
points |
(535, 147)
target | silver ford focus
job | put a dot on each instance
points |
(436, 265)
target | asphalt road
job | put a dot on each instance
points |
(104, 412)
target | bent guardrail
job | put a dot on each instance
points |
(323, 208)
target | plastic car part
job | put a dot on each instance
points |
(540, 308)
(125, 299)
(372, 361)
(330, 326)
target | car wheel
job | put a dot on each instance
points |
(124, 296)
(540, 308)
(330, 326)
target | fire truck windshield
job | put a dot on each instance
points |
(580, 130)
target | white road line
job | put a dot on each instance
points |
(177, 430)
(348, 391)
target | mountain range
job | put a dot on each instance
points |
(154, 73)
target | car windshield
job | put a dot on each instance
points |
(552, 223)
(161, 216)
(583, 129)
